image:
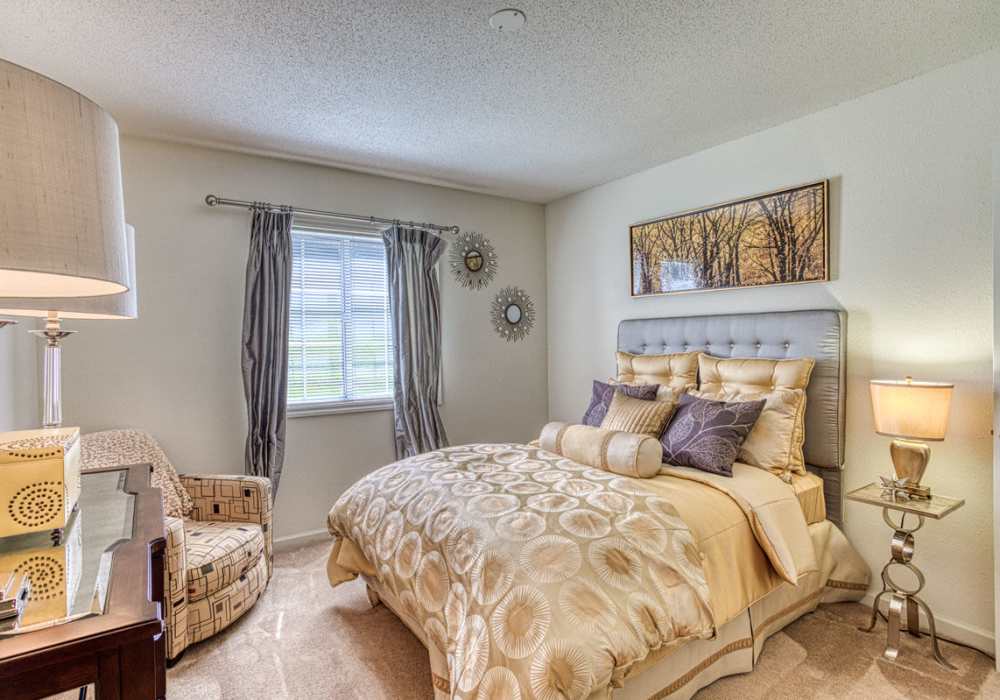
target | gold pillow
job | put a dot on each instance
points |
(775, 443)
(637, 416)
(664, 393)
(627, 454)
(676, 370)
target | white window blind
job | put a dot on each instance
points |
(339, 335)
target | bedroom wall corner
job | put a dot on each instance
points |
(911, 230)
(996, 394)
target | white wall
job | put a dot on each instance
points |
(176, 370)
(996, 391)
(20, 387)
(911, 248)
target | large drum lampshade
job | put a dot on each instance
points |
(62, 219)
(123, 305)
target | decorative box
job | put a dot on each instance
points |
(39, 479)
(54, 567)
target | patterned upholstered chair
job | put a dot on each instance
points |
(218, 531)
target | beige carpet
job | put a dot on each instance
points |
(305, 640)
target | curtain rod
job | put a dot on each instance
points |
(213, 201)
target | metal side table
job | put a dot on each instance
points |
(901, 549)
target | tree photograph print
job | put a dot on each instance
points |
(777, 238)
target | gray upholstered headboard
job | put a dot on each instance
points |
(816, 333)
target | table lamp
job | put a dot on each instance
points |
(910, 412)
(62, 215)
(107, 307)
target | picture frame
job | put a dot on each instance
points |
(775, 238)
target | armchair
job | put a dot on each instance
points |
(218, 532)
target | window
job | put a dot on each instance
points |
(339, 334)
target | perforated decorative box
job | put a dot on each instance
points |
(39, 479)
(54, 567)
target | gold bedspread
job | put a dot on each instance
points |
(736, 568)
(750, 529)
(524, 569)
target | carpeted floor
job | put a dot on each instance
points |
(305, 640)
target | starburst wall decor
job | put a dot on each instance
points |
(473, 260)
(512, 314)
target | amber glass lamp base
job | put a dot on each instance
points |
(909, 461)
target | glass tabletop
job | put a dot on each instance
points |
(935, 507)
(69, 573)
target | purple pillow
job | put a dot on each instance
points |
(603, 393)
(707, 434)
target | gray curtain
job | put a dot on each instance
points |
(415, 307)
(265, 341)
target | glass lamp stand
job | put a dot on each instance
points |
(52, 389)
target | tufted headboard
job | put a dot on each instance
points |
(817, 333)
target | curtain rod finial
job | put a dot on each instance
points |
(211, 200)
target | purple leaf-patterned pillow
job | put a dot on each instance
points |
(603, 393)
(707, 434)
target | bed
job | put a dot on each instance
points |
(526, 574)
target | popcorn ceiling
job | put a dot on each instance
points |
(585, 93)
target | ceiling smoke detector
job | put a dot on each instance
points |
(508, 20)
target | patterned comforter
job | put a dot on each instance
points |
(533, 575)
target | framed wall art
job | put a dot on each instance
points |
(776, 238)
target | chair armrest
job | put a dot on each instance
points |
(232, 498)
(175, 615)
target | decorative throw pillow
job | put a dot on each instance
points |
(773, 442)
(663, 393)
(676, 370)
(627, 454)
(637, 416)
(707, 434)
(603, 393)
(776, 441)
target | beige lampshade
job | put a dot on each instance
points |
(109, 306)
(62, 219)
(909, 409)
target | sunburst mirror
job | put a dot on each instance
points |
(473, 260)
(512, 314)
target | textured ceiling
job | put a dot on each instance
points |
(588, 91)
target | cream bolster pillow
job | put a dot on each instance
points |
(628, 454)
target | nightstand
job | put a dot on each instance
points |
(901, 550)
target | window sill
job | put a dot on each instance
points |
(328, 409)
